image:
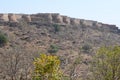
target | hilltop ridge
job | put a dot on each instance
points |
(50, 18)
(30, 34)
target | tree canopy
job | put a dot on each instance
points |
(106, 64)
(47, 67)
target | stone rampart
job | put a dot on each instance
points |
(51, 18)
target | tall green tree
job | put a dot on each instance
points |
(106, 64)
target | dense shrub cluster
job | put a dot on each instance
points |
(106, 64)
(47, 67)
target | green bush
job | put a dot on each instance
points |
(56, 28)
(3, 39)
(86, 48)
(105, 64)
(65, 78)
(53, 49)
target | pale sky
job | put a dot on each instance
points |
(106, 11)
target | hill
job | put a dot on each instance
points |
(73, 40)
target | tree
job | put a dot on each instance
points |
(106, 64)
(56, 28)
(47, 67)
(15, 64)
(3, 39)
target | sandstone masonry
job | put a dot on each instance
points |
(50, 18)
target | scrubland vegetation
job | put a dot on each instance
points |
(73, 49)
(15, 65)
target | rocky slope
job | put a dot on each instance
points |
(35, 33)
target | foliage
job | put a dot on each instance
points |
(3, 39)
(53, 49)
(86, 48)
(47, 67)
(106, 64)
(65, 78)
(56, 28)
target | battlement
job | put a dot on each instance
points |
(50, 18)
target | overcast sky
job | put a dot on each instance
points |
(106, 11)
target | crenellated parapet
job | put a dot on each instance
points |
(47, 18)
(87, 22)
(74, 21)
(52, 18)
(41, 17)
(98, 24)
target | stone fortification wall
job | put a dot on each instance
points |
(4, 17)
(51, 18)
(12, 17)
(27, 18)
(47, 17)
(42, 17)
(74, 21)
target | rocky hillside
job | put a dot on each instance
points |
(69, 38)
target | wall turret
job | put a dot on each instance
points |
(53, 18)
(4, 17)
(27, 18)
(12, 17)
(66, 20)
(57, 18)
